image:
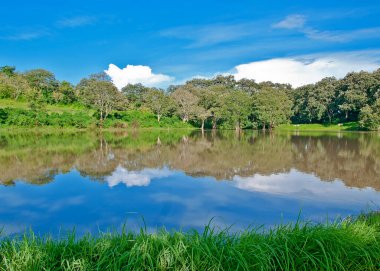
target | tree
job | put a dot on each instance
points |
(8, 70)
(237, 108)
(210, 99)
(369, 117)
(135, 94)
(187, 102)
(159, 103)
(326, 91)
(354, 91)
(43, 81)
(101, 95)
(271, 107)
(65, 93)
(36, 101)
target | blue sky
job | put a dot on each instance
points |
(182, 39)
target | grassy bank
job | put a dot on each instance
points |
(348, 126)
(348, 245)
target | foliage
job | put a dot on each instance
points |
(236, 108)
(159, 103)
(187, 102)
(352, 244)
(101, 95)
(347, 126)
(369, 117)
(219, 102)
(271, 107)
(143, 119)
(29, 118)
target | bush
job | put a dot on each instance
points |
(28, 118)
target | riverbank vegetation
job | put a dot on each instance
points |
(36, 98)
(351, 244)
(328, 127)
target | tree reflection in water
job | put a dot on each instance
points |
(134, 157)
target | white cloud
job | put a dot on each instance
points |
(212, 34)
(308, 69)
(342, 36)
(291, 22)
(26, 36)
(76, 21)
(297, 22)
(135, 74)
(136, 178)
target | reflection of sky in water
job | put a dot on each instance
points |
(174, 200)
(136, 178)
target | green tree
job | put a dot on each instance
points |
(8, 70)
(187, 102)
(236, 108)
(65, 93)
(369, 117)
(43, 81)
(100, 94)
(135, 94)
(36, 101)
(271, 107)
(159, 103)
(211, 101)
(354, 93)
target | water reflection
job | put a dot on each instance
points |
(182, 178)
(131, 157)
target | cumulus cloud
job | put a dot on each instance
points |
(303, 70)
(136, 178)
(132, 74)
(291, 22)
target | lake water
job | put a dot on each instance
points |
(181, 179)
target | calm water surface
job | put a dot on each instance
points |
(182, 179)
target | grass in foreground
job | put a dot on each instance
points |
(348, 245)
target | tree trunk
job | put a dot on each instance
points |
(101, 118)
(264, 126)
(158, 117)
(213, 123)
(237, 126)
(203, 125)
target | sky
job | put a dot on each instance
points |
(159, 43)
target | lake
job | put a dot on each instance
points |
(180, 179)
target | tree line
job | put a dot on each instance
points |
(220, 102)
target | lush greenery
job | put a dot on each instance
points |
(347, 126)
(220, 102)
(347, 245)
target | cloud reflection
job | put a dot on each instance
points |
(136, 178)
(296, 184)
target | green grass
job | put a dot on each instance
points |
(352, 244)
(51, 108)
(348, 126)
